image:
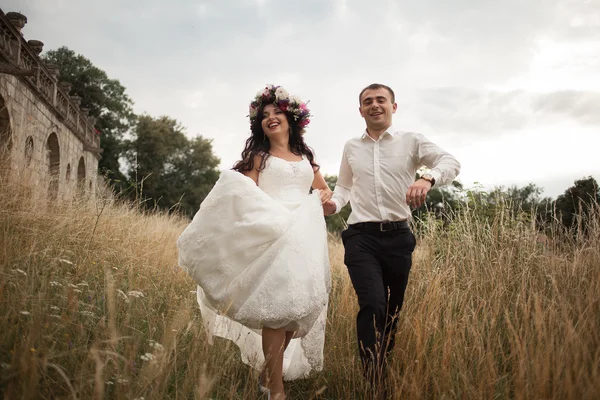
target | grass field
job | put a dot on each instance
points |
(95, 306)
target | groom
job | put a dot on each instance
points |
(377, 175)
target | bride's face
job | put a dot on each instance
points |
(274, 121)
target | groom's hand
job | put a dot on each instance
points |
(417, 193)
(329, 207)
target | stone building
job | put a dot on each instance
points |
(44, 134)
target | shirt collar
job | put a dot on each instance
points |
(389, 131)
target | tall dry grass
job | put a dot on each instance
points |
(95, 306)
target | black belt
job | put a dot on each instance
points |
(381, 226)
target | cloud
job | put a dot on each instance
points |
(485, 72)
(482, 113)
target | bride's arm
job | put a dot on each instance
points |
(254, 172)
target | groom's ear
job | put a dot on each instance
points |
(361, 111)
(394, 108)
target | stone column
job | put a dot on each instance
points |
(17, 19)
(37, 46)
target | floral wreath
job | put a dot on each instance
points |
(278, 96)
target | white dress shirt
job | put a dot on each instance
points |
(375, 174)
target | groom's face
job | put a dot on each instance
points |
(376, 108)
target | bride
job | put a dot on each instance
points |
(258, 247)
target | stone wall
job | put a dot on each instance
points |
(44, 134)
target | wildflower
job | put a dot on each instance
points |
(20, 271)
(135, 293)
(156, 345)
(54, 283)
(88, 313)
(122, 381)
(147, 357)
(24, 312)
(109, 382)
(122, 295)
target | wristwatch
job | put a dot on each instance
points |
(429, 178)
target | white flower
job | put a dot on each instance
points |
(135, 293)
(54, 283)
(147, 357)
(122, 295)
(253, 112)
(24, 313)
(156, 345)
(109, 382)
(20, 271)
(122, 381)
(88, 313)
(281, 94)
(295, 99)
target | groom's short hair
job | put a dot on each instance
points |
(375, 86)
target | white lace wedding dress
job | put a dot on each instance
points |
(259, 256)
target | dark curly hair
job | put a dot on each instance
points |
(259, 144)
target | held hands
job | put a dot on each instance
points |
(329, 208)
(326, 195)
(328, 204)
(417, 192)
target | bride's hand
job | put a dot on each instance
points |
(326, 195)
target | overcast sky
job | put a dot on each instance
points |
(511, 88)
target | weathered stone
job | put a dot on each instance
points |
(66, 86)
(84, 111)
(17, 19)
(75, 99)
(53, 69)
(36, 45)
(45, 137)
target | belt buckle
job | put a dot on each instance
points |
(385, 230)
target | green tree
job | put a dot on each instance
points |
(575, 205)
(169, 169)
(106, 99)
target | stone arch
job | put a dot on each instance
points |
(81, 174)
(53, 164)
(5, 131)
(28, 150)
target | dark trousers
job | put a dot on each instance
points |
(379, 264)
